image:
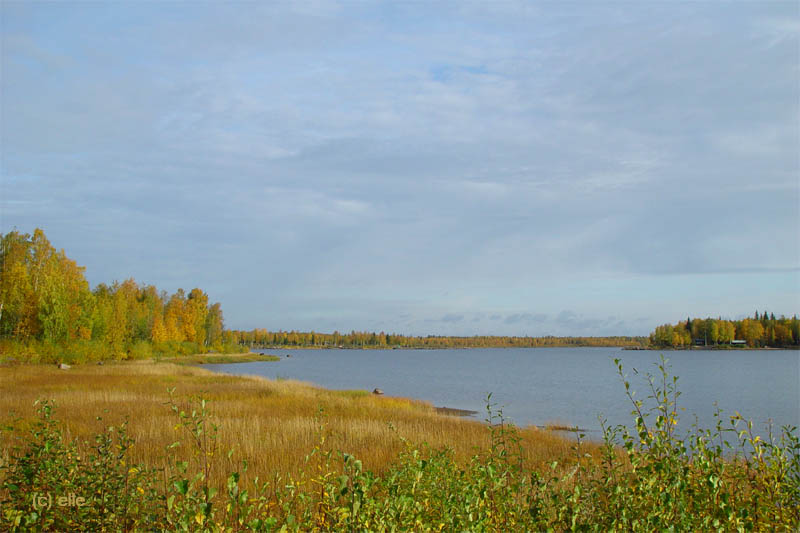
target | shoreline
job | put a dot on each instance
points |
(722, 348)
(455, 412)
(429, 348)
(253, 413)
(218, 359)
(200, 360)
(248, 357)
(625, 347)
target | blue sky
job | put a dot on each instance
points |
(522, 168)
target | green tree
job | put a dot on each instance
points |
(713, 331)
(214, 325)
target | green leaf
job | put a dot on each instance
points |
(182, 486)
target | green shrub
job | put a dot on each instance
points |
(229, 348)
(141, 350)
(15, 351)
(101, 490)
(83, 351)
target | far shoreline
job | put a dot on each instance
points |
(625, 348)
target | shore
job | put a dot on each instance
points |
(722, 347)
(250, 357)
(273, 425)
(220, 359)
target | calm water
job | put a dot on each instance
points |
(571, 385)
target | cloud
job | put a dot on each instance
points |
(777, 31)
(763, 142)
(434, 162)
(568, 320)
(525, 318)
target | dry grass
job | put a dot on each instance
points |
(216, 359)
(271, 424)
(560, 425)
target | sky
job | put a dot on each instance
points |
(467, 168)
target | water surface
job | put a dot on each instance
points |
(535, 386)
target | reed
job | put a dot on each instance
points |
(270, 424)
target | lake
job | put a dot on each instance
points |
(535, 386)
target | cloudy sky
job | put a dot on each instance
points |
(422, 168)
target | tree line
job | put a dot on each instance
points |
(263, 338)
(48, 311)
(760, 331)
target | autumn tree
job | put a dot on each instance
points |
(751, 331)
(214, 325)
(195, 313)
(18, 306)
(44, 296)
(173, 316)
(43, 293)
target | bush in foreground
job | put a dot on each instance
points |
(646, 479)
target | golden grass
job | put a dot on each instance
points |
(271, 424)
(217, 359)
(560, 425)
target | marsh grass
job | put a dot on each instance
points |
(558, 425)
(218, 453)
(270, 424)
(218, 359)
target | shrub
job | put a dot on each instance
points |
(141, 350)
(46, 468)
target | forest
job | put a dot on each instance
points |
(761, 331)
(262, 338)
(48, 313)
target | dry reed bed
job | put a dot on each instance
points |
(272, 424)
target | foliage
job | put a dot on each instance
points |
(361, 339)
(46, 467)
(49, 314)
(761, 331)
(645, 478)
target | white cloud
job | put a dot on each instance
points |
(401, 152)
